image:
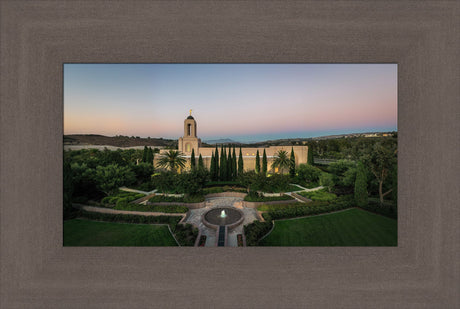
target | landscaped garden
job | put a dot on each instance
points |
(351, 227)
(365, 177)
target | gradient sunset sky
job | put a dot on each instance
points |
(244, 102)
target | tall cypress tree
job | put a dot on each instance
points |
(240, 163)
(361, 185)
(192, 160)
(292, 164)
(309, 156)
(264, 163)
(144, 154)
(222, 167)
(229, 165)
(200, 163)
(216, 160)
(234, 167)
(257, 162)
(213, 167)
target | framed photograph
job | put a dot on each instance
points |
(39, 38)
(273, 155)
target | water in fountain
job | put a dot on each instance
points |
(223, 214)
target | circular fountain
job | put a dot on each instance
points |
(223, 216)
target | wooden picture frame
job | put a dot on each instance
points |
(37, 37)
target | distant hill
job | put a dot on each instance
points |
(222, 141)
(118, 141)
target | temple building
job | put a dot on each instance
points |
(190, 141)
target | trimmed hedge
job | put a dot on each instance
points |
(254, 197)
(223, 189)
(273, 207)
(340, 203)
(173, 199)
(222, 183)
(171, 220)
(256, 230)
(122, 197)
(386, 210)
(153, 208)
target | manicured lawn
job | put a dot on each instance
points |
(352, 227)
(80, 232)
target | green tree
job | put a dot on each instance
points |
(310, 156)
(257, 162)
(201, 163)
(68, 190)
(144, 154)
(143, 171)
(380, 161)
(172, 160)
(292, 164)
(264, 163)
(234, 166)
(150, 156)
(361, 185)
(223, 165)
(192, 160)
(281, 161)
(308, 173)
(216, 160)
(109, 178)
(212, 168)
(327, 180)
(229, 165)
(240, 163)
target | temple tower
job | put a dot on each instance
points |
(189, 141)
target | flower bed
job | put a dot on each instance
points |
(121, 197)
(202, 241)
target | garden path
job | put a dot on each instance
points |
(125, 212)
(137, 191)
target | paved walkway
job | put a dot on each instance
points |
(125, 212)
(305, 189)
(137, 191)
(194, 217)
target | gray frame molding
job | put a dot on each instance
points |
(37, 37)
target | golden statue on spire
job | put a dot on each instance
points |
(190, 112)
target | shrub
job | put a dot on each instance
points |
(255, 197)
(170, 220)
(185, 234)
(272, 207)
(320, 195)
(308, 173)
(213, 190)
(387, 210)
(122, 202)
(255, 231)
(312, 208)
(153, 208)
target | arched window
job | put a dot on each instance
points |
(188, 147)
(189, 129)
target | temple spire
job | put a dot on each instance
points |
(190, 112)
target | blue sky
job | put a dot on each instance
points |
(245, 102)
